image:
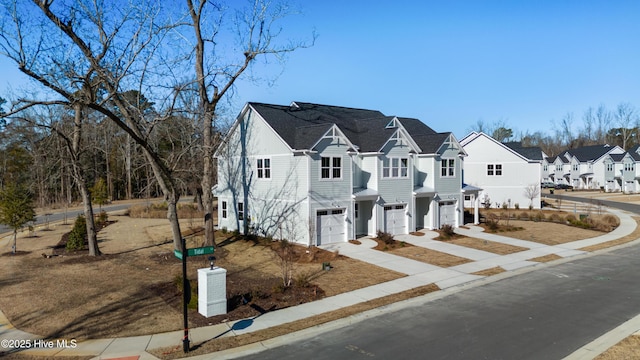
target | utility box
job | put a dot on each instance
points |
(212, 291)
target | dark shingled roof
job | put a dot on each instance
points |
(617, 157)
(302, 124)
(587, 153)
(529, 152)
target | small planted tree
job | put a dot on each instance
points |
(100, 193)
(16, 209)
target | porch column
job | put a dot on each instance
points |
(476, 211)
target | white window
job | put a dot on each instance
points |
(575, 167)
(264, 168)
(395, 167)
(494, 169)
(448, 167)
(558, 167)
(545, 168)
(223, 207)
(629, 167)
(240, 211)
(331, 167)
(609, 167)
(356, 211)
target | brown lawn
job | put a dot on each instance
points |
(485, 245)
(430, 256)
(548, 233)
(132, 289)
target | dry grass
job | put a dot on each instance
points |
(490, 272)
(224, 343)
(628, 348)
(546, 258)
(623, 240)
(429, 256)
(485, 245)
(120, 294)
(549, 233)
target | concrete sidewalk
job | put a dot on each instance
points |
(418, 274)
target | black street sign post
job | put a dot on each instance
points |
(186, 286)
(186, 292)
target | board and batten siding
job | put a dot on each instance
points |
(448, 184)
(332, 193)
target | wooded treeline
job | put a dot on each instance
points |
(131, 94)
(595, 126)
(33, 155)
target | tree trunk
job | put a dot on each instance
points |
(78, 174)
(128, 168)
(92, 237)
(207, 180)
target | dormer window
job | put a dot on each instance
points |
(395, 167)
(331, 167)
(448, 167)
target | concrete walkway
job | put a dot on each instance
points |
(418, 274)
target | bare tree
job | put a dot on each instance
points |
(256, 31)
(627, 120)
(531, 192)
(116, 43)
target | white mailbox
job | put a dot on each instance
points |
(212, 291)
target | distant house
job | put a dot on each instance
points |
(622, 172)
(318, 174)
(508, 173)
(585, 167)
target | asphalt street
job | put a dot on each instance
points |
(59, 215)
(543, 314)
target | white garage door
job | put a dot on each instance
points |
(395, 220)
(330, 226)
(448, 213)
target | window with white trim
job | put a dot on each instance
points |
(575, 167)
(395, 167)
(447, 167)
(356, 211)
(545, 168)
(629, 167)
(494, 169)
(264, 168)
(223, 207)
(609, 167)
(240, 211)
(331, 167)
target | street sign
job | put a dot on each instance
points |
(195, 251)
(200, 251)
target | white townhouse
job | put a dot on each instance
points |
(317, 174)
(587, 165)
(622, 172)
(508, 173)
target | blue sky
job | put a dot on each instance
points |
(452, 63)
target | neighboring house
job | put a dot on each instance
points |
(508, 173)
(548, 170)
(613, 172)
(561, 170)
(622, 172)
(318, 174)
(586, 165)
